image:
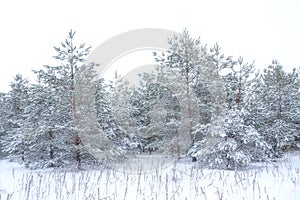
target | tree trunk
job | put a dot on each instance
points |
(77, 139)
(51, 144)
(189, 102)
(238, 99)
(279, 99)
(51, 154)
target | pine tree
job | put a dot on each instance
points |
(275, 107)
(4, 125)
(236, 83)
(240, 143)
(16, 141)
(40, 125)
(103, 107)
(201, 91)
(93, 122)
(156, 111)
(187, 56)
(51, 114)
(72, 58)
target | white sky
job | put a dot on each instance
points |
(259, 30)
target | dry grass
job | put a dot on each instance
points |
(178, 181)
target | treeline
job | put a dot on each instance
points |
(224, 113)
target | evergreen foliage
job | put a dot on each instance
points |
(44, 124)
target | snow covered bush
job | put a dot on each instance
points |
(274, 108)
(239, 145)
(223, 154)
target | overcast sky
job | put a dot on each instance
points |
(259, 30)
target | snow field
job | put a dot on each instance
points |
(181, 180)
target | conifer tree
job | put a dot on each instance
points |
(16, 141)
(190, 59)
(275, 107)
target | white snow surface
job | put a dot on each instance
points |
(180, 180)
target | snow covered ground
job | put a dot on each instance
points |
(181, 180)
